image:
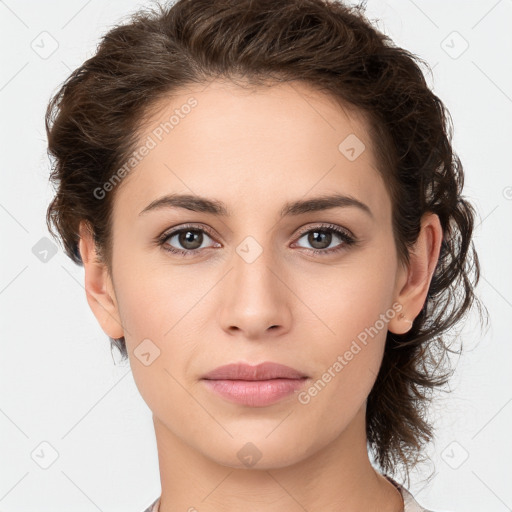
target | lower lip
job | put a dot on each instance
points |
(255, 393)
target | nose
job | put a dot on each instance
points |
(255, 297)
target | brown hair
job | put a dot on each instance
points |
(92, 124)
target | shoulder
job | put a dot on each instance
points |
(154, 506)
(410, 503)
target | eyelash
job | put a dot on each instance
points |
(347, 239)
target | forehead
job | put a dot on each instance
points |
(251, 146)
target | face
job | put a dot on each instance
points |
(309, 288)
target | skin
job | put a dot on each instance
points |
(255, 149)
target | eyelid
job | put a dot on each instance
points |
(182, 227)
(325, 225)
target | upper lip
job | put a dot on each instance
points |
(263, 371)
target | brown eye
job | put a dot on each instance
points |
(190, 239)
(319, 239)
(322, 237)
(185, 241)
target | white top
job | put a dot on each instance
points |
(411, 505)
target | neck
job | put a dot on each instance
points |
(335, 477)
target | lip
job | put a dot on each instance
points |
(263, 371)
(254, 386)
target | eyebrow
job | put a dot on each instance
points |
(215, 207)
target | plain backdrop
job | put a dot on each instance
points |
(74, 432)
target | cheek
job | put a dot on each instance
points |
(348, 299)
(154, 312)
(159, 309)
(147, 308)
(348, 360)
(351, 310)
(153, 300)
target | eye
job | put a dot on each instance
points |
(189, 238)
(321, 237)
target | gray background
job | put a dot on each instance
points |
(62, 396)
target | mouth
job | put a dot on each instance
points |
(254, 386)
(263, 371)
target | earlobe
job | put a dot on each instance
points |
(98, 286)
(423, 261)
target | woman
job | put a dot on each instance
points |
(288, 353)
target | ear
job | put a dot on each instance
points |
(98, 285)
(414, 281)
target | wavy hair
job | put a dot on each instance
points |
(92, 124)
